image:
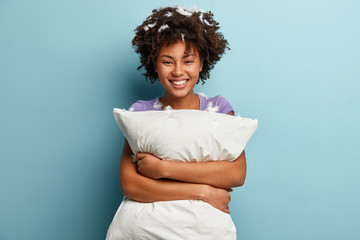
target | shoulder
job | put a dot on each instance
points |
(217, 104)
(142, 105)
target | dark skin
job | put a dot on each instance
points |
(152, 179)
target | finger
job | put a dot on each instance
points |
(227, 209)
(138, 166)
(139, 156)
(138, 162)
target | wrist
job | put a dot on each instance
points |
(204, 192)
(164, 169)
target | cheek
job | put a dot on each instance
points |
(161, 72)
(196, 71)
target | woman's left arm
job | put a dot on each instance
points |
(220, 174)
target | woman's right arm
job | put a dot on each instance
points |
(144, 189)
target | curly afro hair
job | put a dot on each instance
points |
(170, 24)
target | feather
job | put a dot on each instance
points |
(212, 108)
(151, 25)
(163, 27)
(157, 104)
(184, 11)
(168, 108)
(206, 22)
(183, 37)
(201, 17)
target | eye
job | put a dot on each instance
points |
(167, 62)
(189, 62)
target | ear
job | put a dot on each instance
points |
(201, 65)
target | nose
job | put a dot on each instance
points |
(178, 69)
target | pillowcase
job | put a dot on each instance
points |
(186, 135)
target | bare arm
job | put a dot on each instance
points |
(220, 174)
(144, 189)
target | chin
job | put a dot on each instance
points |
(179, 94)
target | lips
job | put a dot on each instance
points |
(179, 83)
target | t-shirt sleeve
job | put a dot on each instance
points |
(138, 106)
(223, 104)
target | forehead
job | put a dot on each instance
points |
(180, 47)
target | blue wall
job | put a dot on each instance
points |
(294, 65)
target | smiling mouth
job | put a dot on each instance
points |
(179, 83)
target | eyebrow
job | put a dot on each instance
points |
(185, 56)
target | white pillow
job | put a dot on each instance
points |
(186, 135)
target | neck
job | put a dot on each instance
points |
(190, 101)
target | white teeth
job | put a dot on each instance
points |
(179, 82)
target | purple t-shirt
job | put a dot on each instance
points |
(214, 104)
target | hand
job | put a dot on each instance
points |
(218, 198)
(149, 165)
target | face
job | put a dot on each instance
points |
(178, 70)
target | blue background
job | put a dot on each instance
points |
(294, 65)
